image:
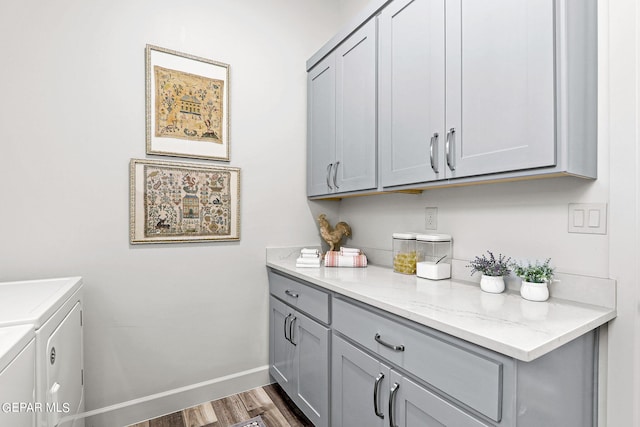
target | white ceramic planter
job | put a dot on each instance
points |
(534, 291)
(492, 284)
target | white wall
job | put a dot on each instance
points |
(622, 54)
(520, 219)
(72, 115)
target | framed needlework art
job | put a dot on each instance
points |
(187, 105)
(183, 202)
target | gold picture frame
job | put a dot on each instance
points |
(183, 202)
(187, 105)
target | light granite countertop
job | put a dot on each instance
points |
(505, 323)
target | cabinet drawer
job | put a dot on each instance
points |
(471, 378)
(305, 298)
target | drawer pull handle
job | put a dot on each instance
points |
(376, 390)
(392, 404)
(285, 327)
(328, 175)
(386, 344)
(450, 141)
(291, 294)
(434, 140)
(293, 320)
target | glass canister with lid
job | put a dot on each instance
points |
(405, 255)
(435, 252)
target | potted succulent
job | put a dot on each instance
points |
(493, 271)
(535, 279)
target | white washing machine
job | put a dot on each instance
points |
(17, 376)
(54, 309)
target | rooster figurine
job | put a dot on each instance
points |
(331, 235)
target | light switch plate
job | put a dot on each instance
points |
(588, 218)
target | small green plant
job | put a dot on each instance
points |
(491, 266)
(534, 273)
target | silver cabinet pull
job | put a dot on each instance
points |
(434, 141)
(291, 294)
(285, 327)
(293, 320)
(328, 175)
(335, 175)
(392, 405)
(386, 344)
(451, 135)
(376, 389)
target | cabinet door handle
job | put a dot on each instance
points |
(291, 294)
(329, 175)
(376, 389)
(386, 344)
(285, 327)
(293, 320)
(451, 135)
(335, 175)
(434, 141)
(392, 405)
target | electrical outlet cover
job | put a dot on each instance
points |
(431, 218)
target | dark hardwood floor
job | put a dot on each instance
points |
(270, 402)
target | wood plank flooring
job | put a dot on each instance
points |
(270, 402)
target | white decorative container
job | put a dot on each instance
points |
(434, 253)
(492, 284)
(534, 291)
(429, 270)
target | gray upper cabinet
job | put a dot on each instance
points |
(341, 133)
(467, 91)
(411, 127)
(471, 89)
(321, 126)
(500, 86)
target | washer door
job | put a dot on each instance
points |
(65, 386)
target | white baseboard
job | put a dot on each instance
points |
(155, 405)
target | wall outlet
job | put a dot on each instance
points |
(431, 218)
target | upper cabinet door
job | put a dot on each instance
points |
(500, 111)
(321, 126)
(412, 91)
(355, 162)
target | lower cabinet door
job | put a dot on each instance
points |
(311, 368)
(281, 351)
(359, 387)
(411, 405)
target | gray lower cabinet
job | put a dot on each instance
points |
(348, 364)
(299, 356)
(359, 387)
(367, 392)
(422, 377)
